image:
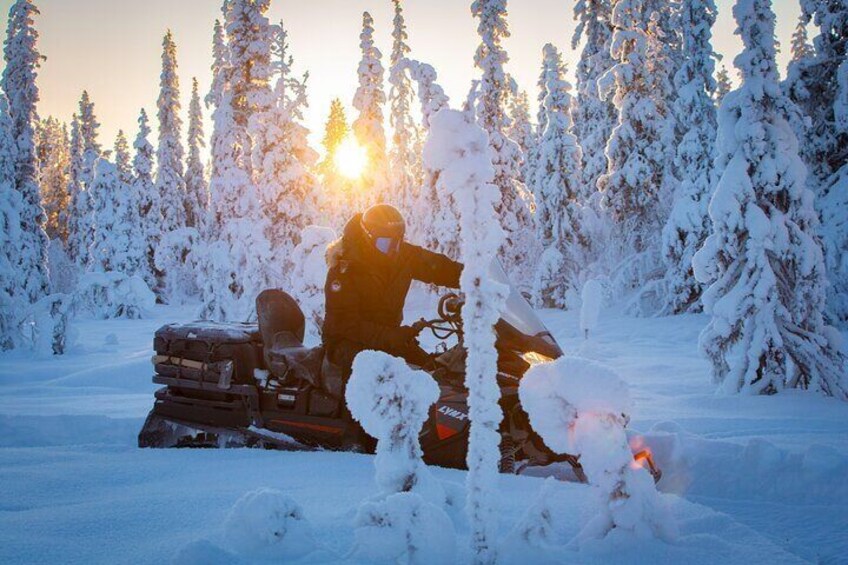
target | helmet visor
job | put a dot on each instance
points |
(387, 245)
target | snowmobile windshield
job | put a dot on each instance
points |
(518, 317)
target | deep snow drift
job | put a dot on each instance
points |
(748, 479)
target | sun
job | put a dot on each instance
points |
(351, 158)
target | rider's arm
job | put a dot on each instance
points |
(434, 268)
(343, 318)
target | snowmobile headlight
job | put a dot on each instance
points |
(532, 358)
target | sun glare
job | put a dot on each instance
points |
(351, 158)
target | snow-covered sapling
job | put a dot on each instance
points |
(392, 401)
(590, 310)
(580, 407)
(266, 524)
(458, 153)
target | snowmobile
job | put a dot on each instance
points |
(257, 385)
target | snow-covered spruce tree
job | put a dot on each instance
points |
(762, 260)
(801, 48)
(85, 150)
(170, 181)
(520, 247)
(220, 62)
(77, 214)
(236, 263)
(594, 116)
(91, 149)
(819, 85)
(640, 147)
(248, 72)
(404, 161)
(282, 159)
(431, 95)
(339, 190)
(123, 161)
(459, 150)
(723, 86)
(119, 245)
(28, 253)
(335, 131)
(368, 125)
(556, 185)
(11, 305)
(441, 230)
(170, 176)
(197, 191)
(520, 130)
(53, 154)
(687, 226)
(111, 237)
(144, 193)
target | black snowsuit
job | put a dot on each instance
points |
(365, 294)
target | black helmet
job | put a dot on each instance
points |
(384, 227)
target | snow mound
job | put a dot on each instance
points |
(404, 528)
(579, 406)
(203, 552)
(267, 524)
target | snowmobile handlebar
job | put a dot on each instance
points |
(450, 306)
(438, 327)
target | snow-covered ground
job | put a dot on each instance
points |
(749, 479)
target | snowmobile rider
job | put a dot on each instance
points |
(370, 270)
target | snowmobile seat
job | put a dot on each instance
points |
(287, 357)
(278, 312)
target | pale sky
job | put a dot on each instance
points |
(112, 48)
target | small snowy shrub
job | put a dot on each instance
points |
(266, 524)
(392, 402)
(404, 528)
(50, 319)
(309, 273)
(580, 407)
(114, 295)
(590, 310)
